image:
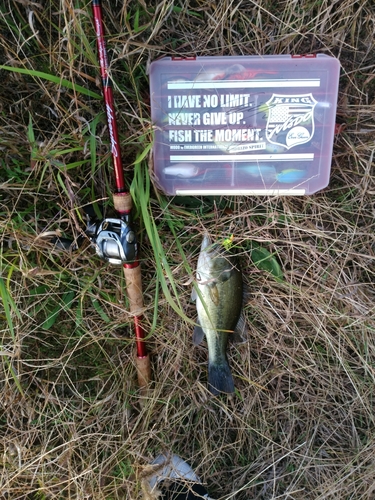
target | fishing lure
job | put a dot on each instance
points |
(269, 173)
(239, 72)
(290, 175)
(182, 170)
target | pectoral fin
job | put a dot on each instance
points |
(214, 294)
(198, 335)
(240, 332)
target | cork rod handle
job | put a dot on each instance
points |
(135, 297)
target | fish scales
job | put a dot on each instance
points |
(219, 305)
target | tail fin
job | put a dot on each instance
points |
(220, 378)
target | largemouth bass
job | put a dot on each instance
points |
(219, 305)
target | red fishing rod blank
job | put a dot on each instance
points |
(108, 97)
(123, 204)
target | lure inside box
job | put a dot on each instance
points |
(243, 125)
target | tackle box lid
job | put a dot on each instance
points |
(246, 125)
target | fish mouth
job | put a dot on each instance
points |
(207, 242)
(210, 248)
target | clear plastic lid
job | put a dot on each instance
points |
(244, 125)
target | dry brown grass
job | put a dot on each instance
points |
(302, 423)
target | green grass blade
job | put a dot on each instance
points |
(8, 304)
(98, 308)
(13, 374)
(30, 131)
(140, 190)
(55, 79)
(67, 300)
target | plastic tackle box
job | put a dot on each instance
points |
(246, 125)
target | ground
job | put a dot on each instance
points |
(73, 421)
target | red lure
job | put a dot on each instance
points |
(245, 74)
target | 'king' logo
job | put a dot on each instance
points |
(290, 119)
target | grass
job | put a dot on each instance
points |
(72, 422)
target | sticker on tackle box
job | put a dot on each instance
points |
(244, 125)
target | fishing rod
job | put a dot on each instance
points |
(115, 238)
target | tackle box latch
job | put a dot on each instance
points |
(300, 56)
(182, 58)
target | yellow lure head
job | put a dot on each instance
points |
(228, 242)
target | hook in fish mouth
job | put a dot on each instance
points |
(219, 248)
